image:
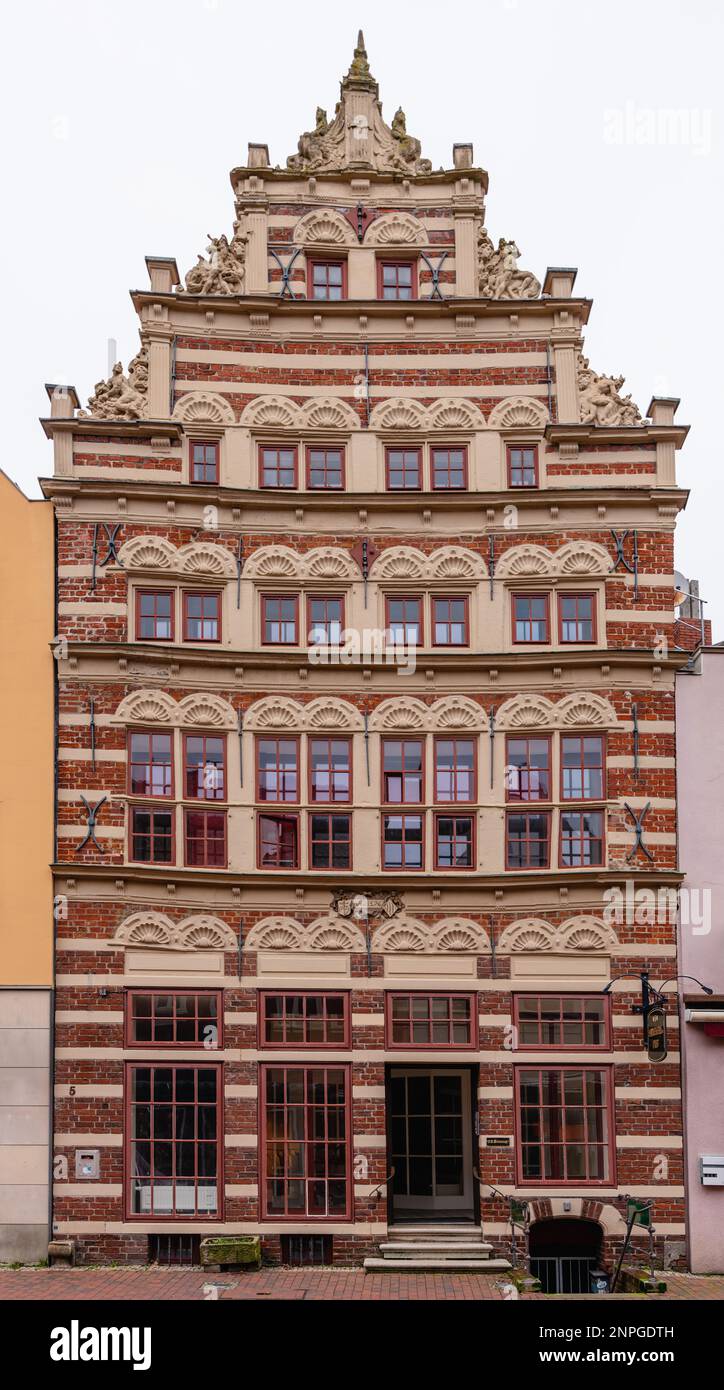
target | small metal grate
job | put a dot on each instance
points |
(306, 1250)
(174, 1250)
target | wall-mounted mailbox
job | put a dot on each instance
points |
(711, 1167)
(87, 1163)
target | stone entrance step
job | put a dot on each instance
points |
(434, 1246)
(401, 1249)
(450, 1264)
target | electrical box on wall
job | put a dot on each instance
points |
(87, 1163)
(712, 1170)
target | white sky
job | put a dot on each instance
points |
(122, 121)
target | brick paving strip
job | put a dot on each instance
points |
(311, 1285)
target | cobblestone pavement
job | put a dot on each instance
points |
(311, 1285)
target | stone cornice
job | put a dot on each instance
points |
(274, 305)
(616, 434)
(275, 175)
(119, 429)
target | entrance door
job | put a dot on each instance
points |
(431, 1141)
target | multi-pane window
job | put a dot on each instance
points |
(150, 764)
(204, 461)
(527, 840)
(396, 280)
(530, 618)
(327, 279)
(404, 621)
(581, 839)
(277, 762)
(204, 767)
(325, 621)
(528, 769)
(173, 1019)
(330, 841)
(450, 622)
(325, 468)
(174, 1141)
(279, 619)
(402, 771)
(154, 615)
(562, 1020)
(454, 769)
(522, 465)
(582, 767)
(330, 769)
(454, 842)
(306, 1141)
(404, 469)
(293, 1020)
(202, 617)
(564, 1118)
(576, 617)
(449, 468)
(277, 465)
(431, 1020)
(402, 842)
(205, 839)
(278, 842)
(152, 835)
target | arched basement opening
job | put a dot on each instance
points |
(563, 1252)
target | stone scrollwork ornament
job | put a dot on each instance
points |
(360, 906)
(599, 398)
(498, 273)
(121, 397)
(223, 272)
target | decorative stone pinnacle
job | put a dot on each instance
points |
(359, 70)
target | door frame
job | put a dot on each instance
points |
(470, 1149)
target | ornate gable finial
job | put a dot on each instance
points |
(357, 137)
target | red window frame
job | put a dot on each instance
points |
(420, 621)
(330, 840)
(582, 739)
(535, 1002)
(415, 996)
(218, 1143)
(449, 622)
(590, 596)
(154, 812)
(324, 263)
(326, 449)
(208, 463)
(281, 772)
(305, 1143)
(210, 858)
(608, 1145)
(579, 839)
(403, 867)
(527, 773)
(206, 595)
(512, 449)
(213, 793)
(268, 447)
(325, 599)
(404, 468)
(527, 839)
(531, 641)
(403, 774)
(449, 449)
(396, 263)
(274, 598)
(455, 772)
(155, 593)
(215, 1020)
(291, 822)
(456, 839)
(332, 800)
(151, 735)
(289, 1038)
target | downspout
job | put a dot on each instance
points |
(56, 743)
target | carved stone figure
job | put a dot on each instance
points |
(223, 272)
(599, 398)
(121, 397)
(498, 273)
